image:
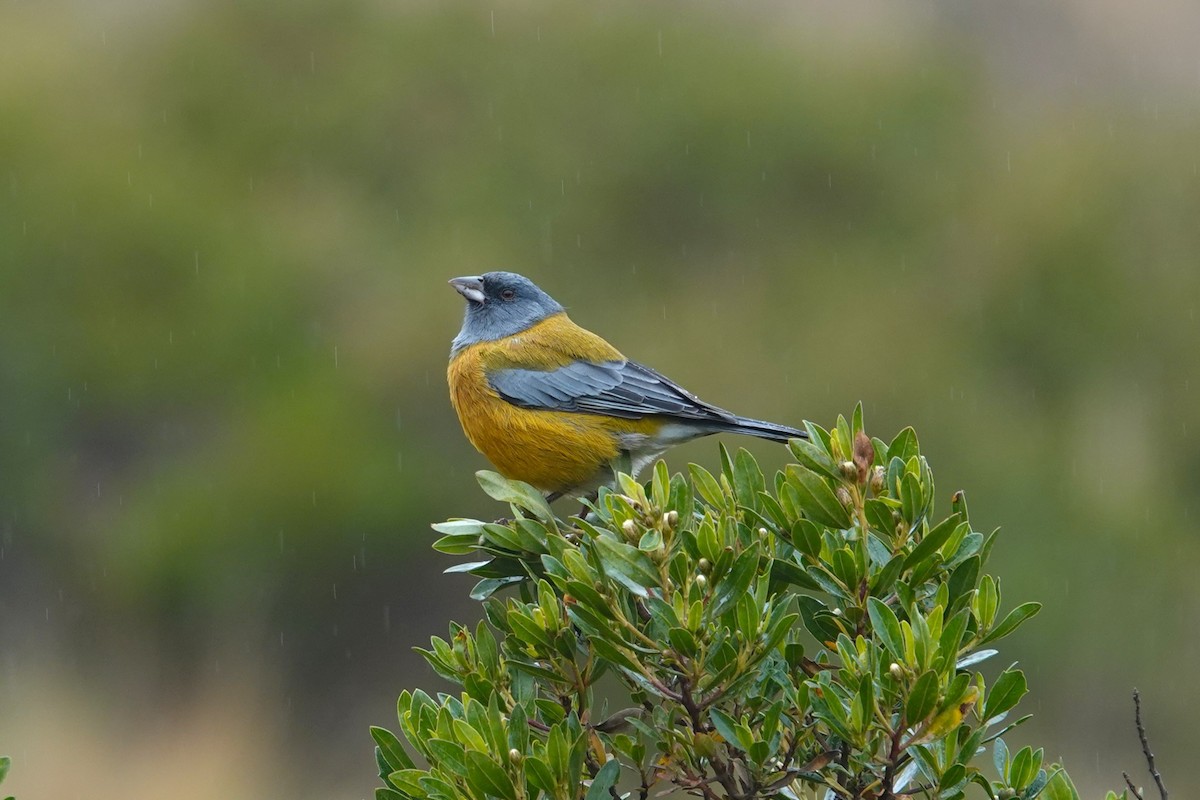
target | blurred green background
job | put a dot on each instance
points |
(225, 231)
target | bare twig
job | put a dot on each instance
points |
(1132, 788)
(1141, 730)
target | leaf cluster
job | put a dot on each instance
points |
(815, 633)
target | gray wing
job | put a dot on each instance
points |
(613, 388)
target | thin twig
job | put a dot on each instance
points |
(1132, 788)
(1141, 730)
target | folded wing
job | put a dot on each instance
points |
(615, 388)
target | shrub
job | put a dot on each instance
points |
(818, 634)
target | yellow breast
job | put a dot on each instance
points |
(556, 451)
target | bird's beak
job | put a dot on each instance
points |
(470, 287)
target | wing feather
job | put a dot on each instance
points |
(623, 389)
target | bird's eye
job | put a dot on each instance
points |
(507, 294)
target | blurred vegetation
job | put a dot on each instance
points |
(224, 234)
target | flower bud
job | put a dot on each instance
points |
(671, 518)
(704, 565)
(877, 480)
(896, 670)
(848, 469)
(762, 532)
(515, 756)
(629, 527)
(701, 582)
(843, 496)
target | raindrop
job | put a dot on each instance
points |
(335, 591)
(493, 22)
(335, 357)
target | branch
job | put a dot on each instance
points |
(889, 773)
(1141, 731)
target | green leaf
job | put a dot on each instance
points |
(683, 641)
(922, 700)
(380, 794)
(454, 527)
(1010, 623)
(489, 586)
(882, 583)
(904, 446)
(806, 537)
(707, 486)
(651, 540)
(1019, 771)
(517, 493)
(963, 580)
(446, 755)
(538, 773)
(1000, 759)
(747, 479)
(457, 545)
(817, 499)
(725, 725)
(734, 584)
(983, 605)
(811, 455)
(660, 486)
(886, 626)
(605, 779)
(934, 539)
(879, 517)
(789, 572)
(1008, 690)
(408, 781)
(395, 754)
(952, 634)
(1059, 787)
(488, 777)
(632, 568)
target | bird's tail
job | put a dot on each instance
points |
(763, 430)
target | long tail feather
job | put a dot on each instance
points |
(764, 430)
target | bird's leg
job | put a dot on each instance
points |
(552, 496)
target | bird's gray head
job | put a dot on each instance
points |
(499, 304)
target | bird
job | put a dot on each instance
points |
(554, 405)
